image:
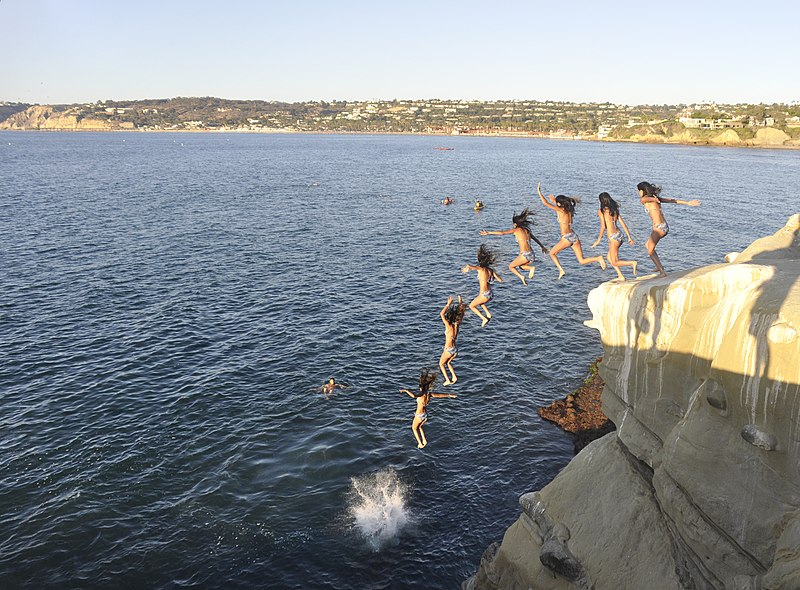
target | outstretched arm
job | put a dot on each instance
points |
(497, 277)
(625, 227)
(443, 395)
(692, 203)
(504, 232)
(469, 267)
(407, 391)
(444, 309)
(546, 202)
(602, 229)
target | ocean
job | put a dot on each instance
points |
(171, 302)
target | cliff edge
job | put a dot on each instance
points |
(699, 488)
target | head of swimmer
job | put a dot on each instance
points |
(647, 189)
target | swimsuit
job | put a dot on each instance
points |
(571, 237)
(422, 416)
(451, 350)
(488, 294)
(617, 236)
(529, 256)
(662, 227)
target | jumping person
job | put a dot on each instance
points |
(650, 197)
(609, 217)
(423, 397)
(486, 274)
(522, 232)
(451, 314)
(565, 209)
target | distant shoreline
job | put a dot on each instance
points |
(409, 133)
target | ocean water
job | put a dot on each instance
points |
(170, 302)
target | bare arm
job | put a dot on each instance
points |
(444, 309)
(497, 277)
(469, 267)
(692, 203)
(625, 227)
(443, 395)
(602, 229)
(408, 392)
(504, 232)
(544, 200)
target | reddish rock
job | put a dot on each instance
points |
(580, 413)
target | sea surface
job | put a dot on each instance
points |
(171, 302)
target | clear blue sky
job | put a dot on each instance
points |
(64, 51)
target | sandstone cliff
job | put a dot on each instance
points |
(700, 485)
(45, 118)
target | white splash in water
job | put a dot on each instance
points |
(378, 507)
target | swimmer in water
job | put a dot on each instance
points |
(523, 234)
(565, 209)
(423, 397)
(447, 201)
(486, 274)
(609, 217)
(452, 314)
(650, 197)
(330, 385)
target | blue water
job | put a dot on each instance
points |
(171, 301)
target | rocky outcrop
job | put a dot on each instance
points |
(46, 118)
(699, 488)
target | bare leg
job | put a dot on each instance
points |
(488, 314)
(576, 247)
(480, 300)
(530, 268)
(452, 371)
(517, 262)
(444, 360)
(422, 434)
(650, 245)
(560, 245)
(415, 428)
(613, 257)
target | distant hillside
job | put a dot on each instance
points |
(774, 125)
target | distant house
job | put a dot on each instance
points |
(793, 122)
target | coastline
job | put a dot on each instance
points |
(513, 135)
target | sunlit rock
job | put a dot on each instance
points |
(700, 485)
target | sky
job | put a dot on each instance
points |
(70, 51)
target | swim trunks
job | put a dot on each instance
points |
(662, 227)
(617, 237)
(571, 237)
(529, 256)
(488, 294)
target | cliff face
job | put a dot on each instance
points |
(45, 118)
(700, 485)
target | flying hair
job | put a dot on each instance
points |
(486, 258)
(426, 381)
(524, 220)
(455, 312)
(649, 189)
(567, 203)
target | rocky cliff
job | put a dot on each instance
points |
(45, 118)
(699, 488)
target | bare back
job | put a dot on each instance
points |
(653, 207)
(564, 221)
(523, 239)
(610, 221)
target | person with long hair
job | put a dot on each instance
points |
(650, 197)
(523, 234)
(486, 274)
(423, 397)
(565, 210)
(452, 314)
(609, 218)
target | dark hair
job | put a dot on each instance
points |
(524, 220)
(426, 381)
(606, 202)
(649, 190)
(486, 258)
(566, 203)
(455, 312)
